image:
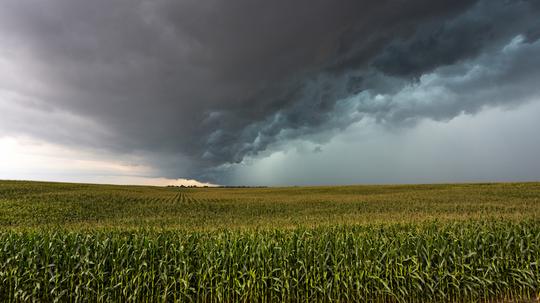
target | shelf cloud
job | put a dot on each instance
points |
(196, 86)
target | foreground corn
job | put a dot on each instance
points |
(464, 261)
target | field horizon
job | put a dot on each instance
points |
(486, 182)
(28, 204)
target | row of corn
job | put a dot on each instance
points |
(467, 261)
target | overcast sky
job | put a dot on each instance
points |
(270, 92)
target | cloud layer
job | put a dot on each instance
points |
(198, 85)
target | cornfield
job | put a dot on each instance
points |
(387, 263)
(413, 243)
(87, 206)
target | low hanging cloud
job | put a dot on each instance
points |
(196, 85)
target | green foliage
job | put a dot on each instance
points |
(82, 206)
(430, 262)
(415, 243)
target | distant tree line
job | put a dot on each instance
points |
(221, 186)
(186, 186)
(240, 186)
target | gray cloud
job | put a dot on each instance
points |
(213, 82)
(493, 145)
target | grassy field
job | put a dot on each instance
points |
(406, 243)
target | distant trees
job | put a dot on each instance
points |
(223, 186)
(186, 186)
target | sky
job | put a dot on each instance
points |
(250, 92)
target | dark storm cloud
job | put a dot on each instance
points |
(211, 82)
(467, 35)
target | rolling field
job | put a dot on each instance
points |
(406, 243)
(79, 206)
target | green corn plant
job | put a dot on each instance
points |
(377, 263)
